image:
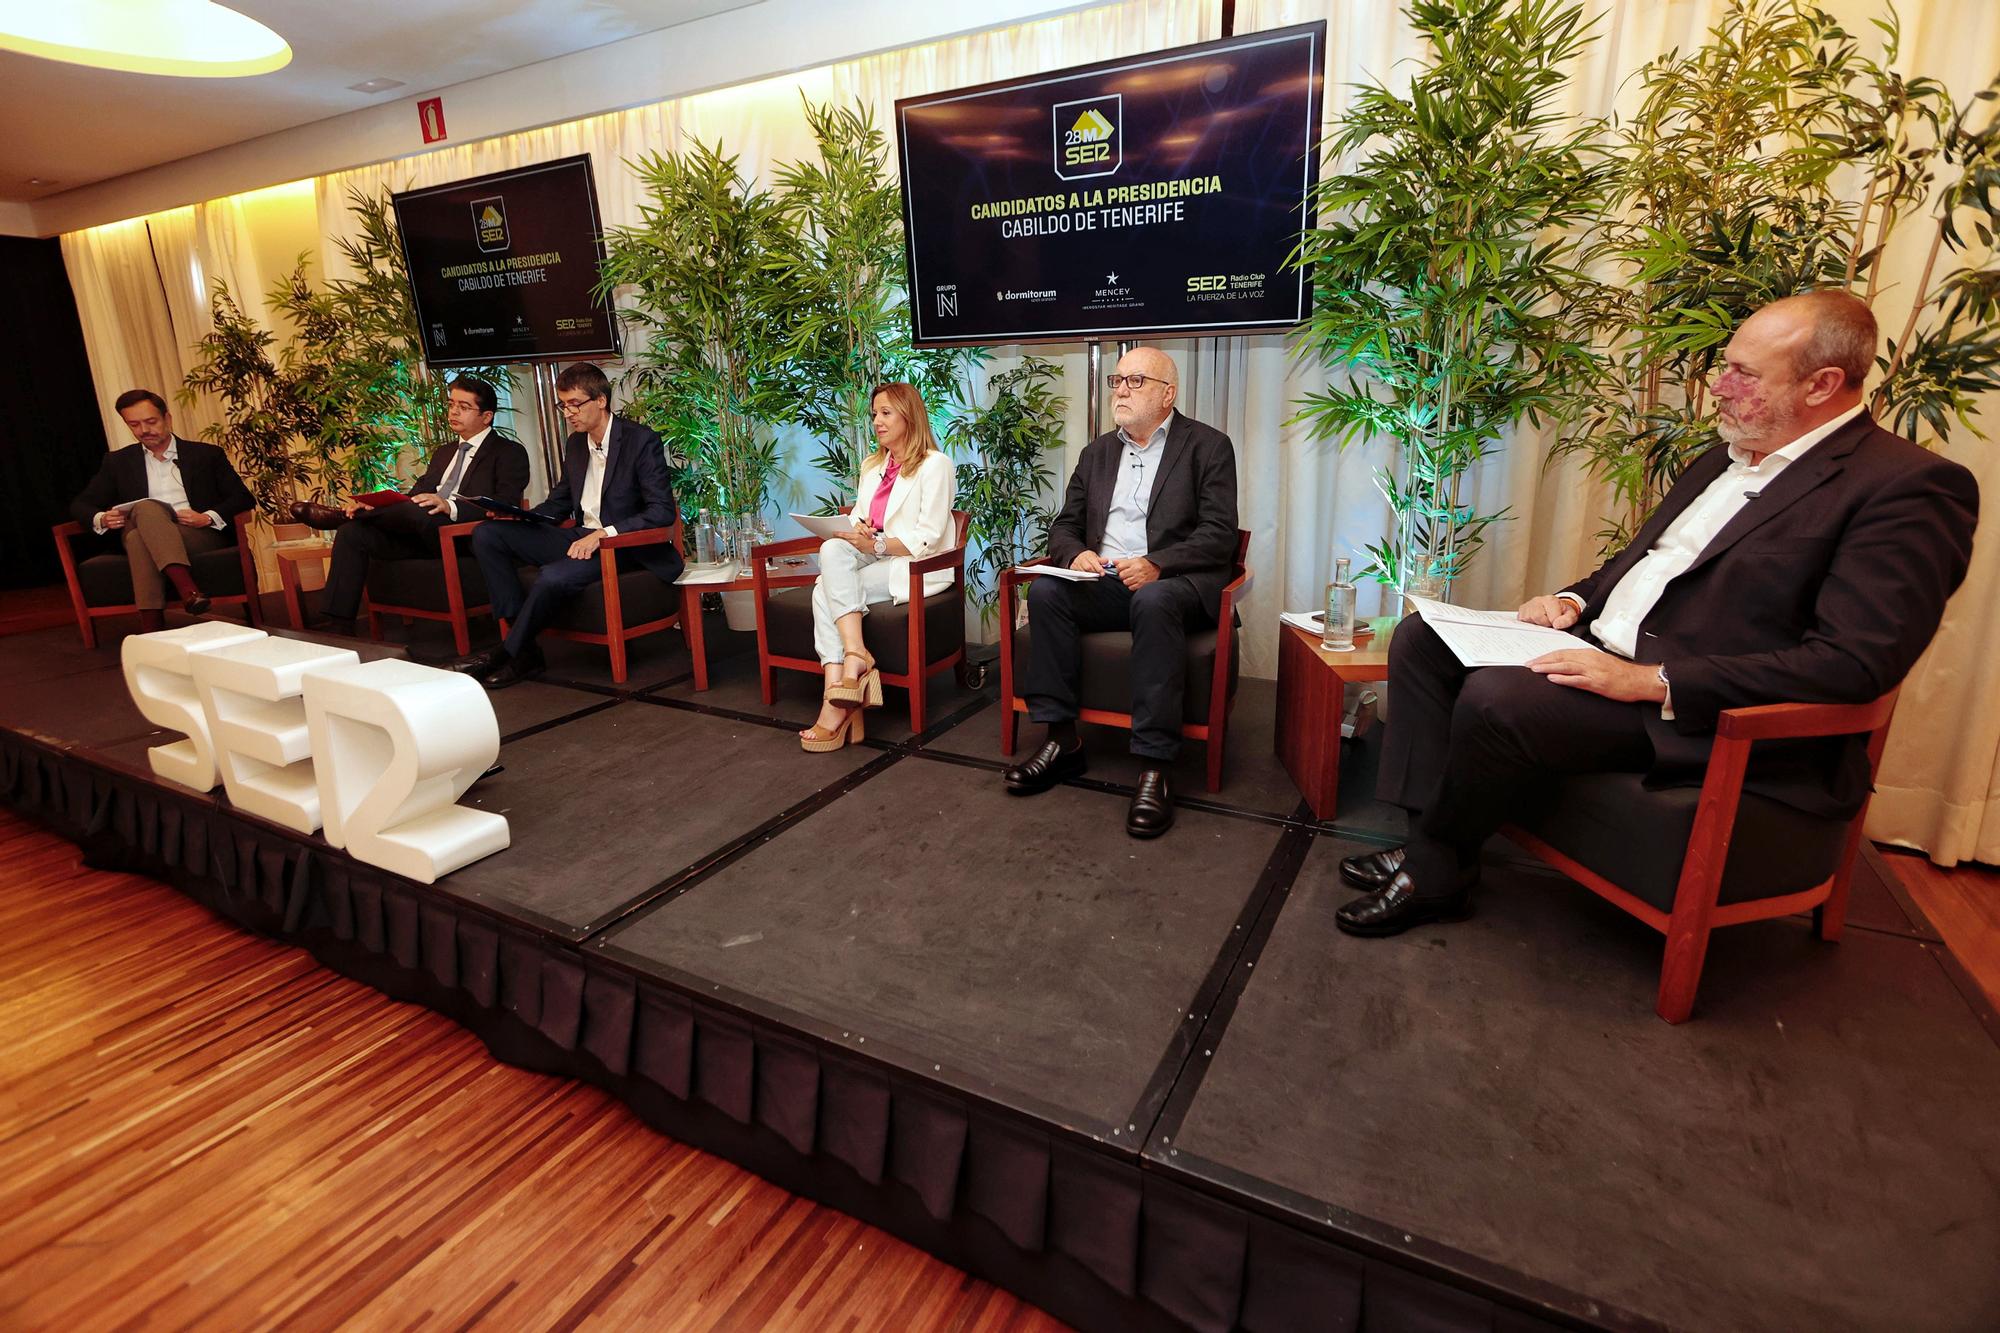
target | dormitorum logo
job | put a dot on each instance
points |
(489, 223)
(1090, 136)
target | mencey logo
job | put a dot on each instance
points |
(1089, 136)
(489, 222)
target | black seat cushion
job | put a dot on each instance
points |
(1637, 838)
(1107, 669)
(420, 583)
(885, 629)
(643, 598)
(106, 579)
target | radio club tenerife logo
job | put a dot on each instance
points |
(1090, 137)
(489, 221)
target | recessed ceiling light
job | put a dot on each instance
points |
(190, 38)
(375, 85)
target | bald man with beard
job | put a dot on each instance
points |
(1151, 510)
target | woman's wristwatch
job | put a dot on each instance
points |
(881, 544)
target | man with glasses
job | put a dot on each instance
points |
(1151, 512)
(481, 463)
(615, 479)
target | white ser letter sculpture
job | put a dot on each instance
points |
(377, 752)
(397, 745)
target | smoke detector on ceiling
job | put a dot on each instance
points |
(377, 85)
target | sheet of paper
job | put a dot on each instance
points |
(1058, 572)
(1492, 638)
(1312, 622)
(825, 526)
(719, 571)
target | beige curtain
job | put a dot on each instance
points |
(122, 306)
(1940, 785)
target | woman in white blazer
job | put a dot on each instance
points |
(902, 511)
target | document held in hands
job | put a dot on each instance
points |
(826, 527)
(1492, 638)
(1062, 572)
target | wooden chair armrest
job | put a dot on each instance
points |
(452, 531)
(1230, 592)
(643, 537)
(790, 546)
(952, 559)
(1798, 721)
(64, 531)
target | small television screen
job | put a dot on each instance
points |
(504, 267)
(1153, 196)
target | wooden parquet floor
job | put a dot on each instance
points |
(201, 1128)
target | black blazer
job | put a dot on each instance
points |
(211, 483)
(1824, 589)
(638, 490)
(499, 471)
(1190, 516)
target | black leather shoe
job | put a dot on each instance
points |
(196, 605)
(521, 666)
(1152, 809)
(1398, 905)
(1371, 870)
(1048, 766)
(483, 664)
(316, 515)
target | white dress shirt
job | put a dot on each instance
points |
(1633, 599)
(163, 483)
(464, 466)
(599, 453)
(1132, 493)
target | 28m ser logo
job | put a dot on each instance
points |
(1089, 137)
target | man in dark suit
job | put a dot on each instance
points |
(1151, 511)
(1808, 559)
(482, 463)
(615, 480)
(189, 494)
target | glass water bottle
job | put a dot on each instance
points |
(1337, 634)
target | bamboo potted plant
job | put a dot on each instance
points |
(1441, 262)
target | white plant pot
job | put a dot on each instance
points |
(739, 610)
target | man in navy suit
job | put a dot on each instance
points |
(190, 491)
(614, 481)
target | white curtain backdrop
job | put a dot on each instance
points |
(1940, 784)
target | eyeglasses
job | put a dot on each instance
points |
(1133, 382)
(570, 409)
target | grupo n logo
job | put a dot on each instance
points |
(1089, 136)
(489, 222)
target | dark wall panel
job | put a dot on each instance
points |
(51, 436)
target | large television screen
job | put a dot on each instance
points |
(503, 267)
(1153, 196)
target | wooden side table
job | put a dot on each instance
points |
(797, 573)
(289, 557)
(1312, 685)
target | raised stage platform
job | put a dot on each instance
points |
(1143, 1084)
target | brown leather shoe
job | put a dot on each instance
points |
(316, 515)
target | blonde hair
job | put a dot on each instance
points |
(918, 443)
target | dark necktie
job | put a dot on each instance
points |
(448, 488)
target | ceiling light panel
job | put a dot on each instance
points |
(187, 38)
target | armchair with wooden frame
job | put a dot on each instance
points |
(1686, 862)
(449, 588)
(1213, 663)
(100, 585)
(629, 602)
(912, 641)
